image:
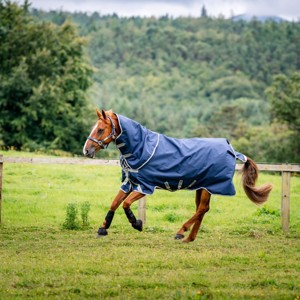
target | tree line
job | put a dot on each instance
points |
(184, 77)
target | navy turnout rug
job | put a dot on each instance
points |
(151, 160)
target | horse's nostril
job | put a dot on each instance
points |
(85, 152)
(89, 153)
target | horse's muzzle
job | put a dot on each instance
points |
(89, 152)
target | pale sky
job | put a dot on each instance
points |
(287, 9)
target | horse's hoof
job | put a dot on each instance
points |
(178, 236)
(102, 232)
(138, 225)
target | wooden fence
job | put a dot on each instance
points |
(285, 169)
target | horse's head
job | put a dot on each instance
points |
(101, 135)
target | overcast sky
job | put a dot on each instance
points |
(288, 9)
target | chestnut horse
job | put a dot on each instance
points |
(150, 160)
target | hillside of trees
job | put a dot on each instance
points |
(193, 76)
(189, 77)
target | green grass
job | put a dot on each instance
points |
(240, 251)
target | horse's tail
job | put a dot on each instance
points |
(259, 194)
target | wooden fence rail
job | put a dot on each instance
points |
(285, 169)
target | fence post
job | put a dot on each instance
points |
(1, 175)
(142, 210)
(285, 201)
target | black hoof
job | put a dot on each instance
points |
(102, 232)
(178, 236)
(138, 225)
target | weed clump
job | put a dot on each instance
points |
(267, 212)
(72, 222)
(85, 208)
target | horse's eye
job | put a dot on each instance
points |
(100, 131)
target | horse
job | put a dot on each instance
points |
(150, 160)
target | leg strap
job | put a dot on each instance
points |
(108, 219)
(136, 224)
(130, 216)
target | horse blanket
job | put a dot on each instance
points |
(151, 160)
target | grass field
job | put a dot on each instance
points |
(240, 251)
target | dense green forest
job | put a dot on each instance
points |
(43, 82)
(206, 77)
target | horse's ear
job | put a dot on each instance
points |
(103, 114)
(99, 113)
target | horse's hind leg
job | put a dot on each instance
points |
(180, 233)
(202, 209)
(202, 206)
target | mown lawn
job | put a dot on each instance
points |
(240, 252)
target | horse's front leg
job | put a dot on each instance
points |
(121, 196)
(136, 224)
